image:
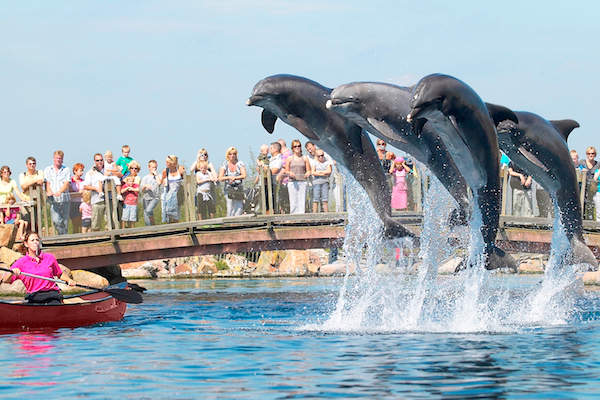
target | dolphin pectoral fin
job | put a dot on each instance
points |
(385, 129)
(501, 113)
(532, 158)
(582, 254)
(302, 127)
(268, 120)
(565, 127)
(498, 258)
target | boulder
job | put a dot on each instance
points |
(13, 289)
(137, 273)
(236, 263)
(8, 256)
(531, 266)
(384, 268)
(448, 266)
(7, 235)
(207, 265)
(295, 263)
(269, 259)
(88, 278)
(591, 278)
(337, 268)
(184, 269)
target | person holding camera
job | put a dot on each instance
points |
(399, 170)
(233, 172)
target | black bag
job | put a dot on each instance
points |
(235, 192)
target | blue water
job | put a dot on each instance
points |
(249, 339)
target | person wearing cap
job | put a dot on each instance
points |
(399, 170)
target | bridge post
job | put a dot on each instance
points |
(189, 188)
(504, 176)
(263, 200)
(107, 215)
(270, 191)
(581, 177)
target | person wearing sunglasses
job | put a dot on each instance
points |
(297, 169)
(130, 191)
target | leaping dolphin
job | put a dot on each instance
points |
(539, 147)
(300, 102)
(380, 108)
(462, 121)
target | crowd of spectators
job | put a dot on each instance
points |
(299, 179)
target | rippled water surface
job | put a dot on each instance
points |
(267, 339)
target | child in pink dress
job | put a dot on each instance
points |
(399, 170)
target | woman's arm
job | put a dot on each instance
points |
(222, 176)
(328, 171)
(242, 173)
(307, 167)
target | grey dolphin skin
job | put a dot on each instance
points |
(300, 102)
(380, 108)
(539, 147)
(461, 119)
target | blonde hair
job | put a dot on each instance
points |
(86, 196)
(590, 148)
(173, 158)
(134, 163)
(9, 197)
(107, 152)
(202, 164)
(229, 150)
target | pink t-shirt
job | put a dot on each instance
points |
(86, 210)
(130, 198)
(12, 214)
(47, 267)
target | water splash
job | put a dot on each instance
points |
(380, 299)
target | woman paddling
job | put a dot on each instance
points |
(36, 262)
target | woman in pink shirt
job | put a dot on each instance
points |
(36, 262)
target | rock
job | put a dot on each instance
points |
(137, 273)
(8, 256)
(184, 269)
(337, 268)
(295, 263)
(531, 266)
(313, 269)
(383, 268)
(236, 263)
(207, 265)
(448, 267)
(7, 235)
(591, 278)
(88, 278)
(13, 289)
(269, 259)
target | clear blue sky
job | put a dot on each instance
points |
(173, 76)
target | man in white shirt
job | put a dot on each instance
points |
(94, 182)
(58, 179)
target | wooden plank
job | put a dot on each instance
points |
(504, 177)
(581, 177)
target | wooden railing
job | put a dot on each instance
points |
(40, 221)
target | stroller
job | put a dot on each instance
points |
(252, 199)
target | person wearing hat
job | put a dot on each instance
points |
(399, 170)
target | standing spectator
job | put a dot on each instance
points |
(113, 172)
(76, 190)
(85, 208)
(7, 185)
(285, 152)
(58, 178)
(31, 178)
(575, 159)
(130, 192)
(597, 195)
(233, 172)
(94, 182)
(386, 159)
(321, 171)
(124, 160)
(203, 156)
(262, 169)
(311, 154)
(275, 167)
(520, 183)
(283, 197)
(150, 187)
(172, 181)
(297, 168)
(399, 171)
(204, 198)
(589, 165)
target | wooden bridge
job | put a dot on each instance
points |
(253, 233)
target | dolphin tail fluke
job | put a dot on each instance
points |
(394, 229)
(498, 258)
(582, 254)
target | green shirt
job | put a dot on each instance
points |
(123, 162)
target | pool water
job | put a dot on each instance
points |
(268, 338)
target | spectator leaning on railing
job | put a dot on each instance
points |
(150, 188)
(233, 172)
(94, 182)
(589, 165)
(31, 178)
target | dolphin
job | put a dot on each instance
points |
(300, 102)
(380, 108)
(539, 147)
(461, 119)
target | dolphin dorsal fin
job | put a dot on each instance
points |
(268, 120)
(500, 113)
(565, 126)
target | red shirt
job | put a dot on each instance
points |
(47, 266)
(130, 198)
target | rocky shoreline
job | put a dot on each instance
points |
(270, 264)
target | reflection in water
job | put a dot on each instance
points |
(33, 357)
